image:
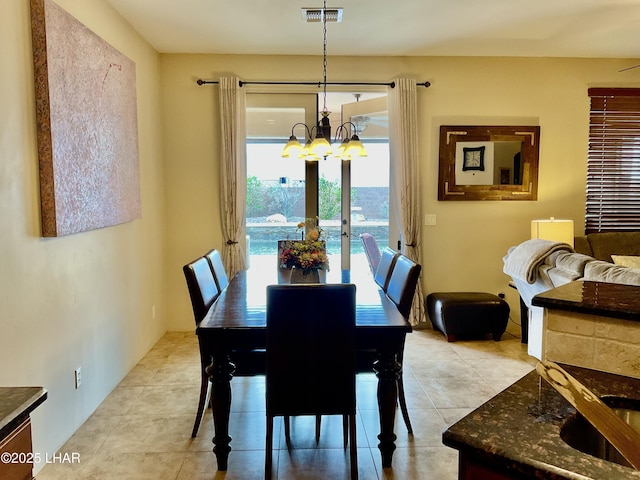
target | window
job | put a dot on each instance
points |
(276, 187)
(613, 167)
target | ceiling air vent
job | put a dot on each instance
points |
(314, 15)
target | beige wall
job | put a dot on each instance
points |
(83, 300)
(464, 250)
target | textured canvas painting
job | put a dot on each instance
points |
(87, 126)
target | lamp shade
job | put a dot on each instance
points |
(355, 148)
(553, 229)
(320, 147)
(341, 150)
(292, 146)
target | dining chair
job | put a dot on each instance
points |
(383, 272)
(217, 267)
(371, 250)
(403, 282)
(203, 292)
(311, 357)
(401, 290)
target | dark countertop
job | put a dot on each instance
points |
(519, 429)
(16, 403)
(596, 298)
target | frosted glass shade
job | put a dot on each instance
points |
(293, 146)
(320, 147)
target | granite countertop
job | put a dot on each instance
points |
(519, 429)
(612, 300)
(16, 403)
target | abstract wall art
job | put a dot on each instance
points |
(87, 126)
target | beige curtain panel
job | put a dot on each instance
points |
(403, 139)
(233, 176)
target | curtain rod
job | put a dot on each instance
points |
(319, 84)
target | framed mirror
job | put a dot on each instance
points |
(488, 162)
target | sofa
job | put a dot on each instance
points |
(602, 246)
(536, 266)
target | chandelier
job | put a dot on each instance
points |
(318, 137)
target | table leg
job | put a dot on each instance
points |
(221, 372)
(387, 370)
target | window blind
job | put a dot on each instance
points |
(613, 167)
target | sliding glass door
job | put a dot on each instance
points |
(277, 188)
(349, 197)
(355, 193)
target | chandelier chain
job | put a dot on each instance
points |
(320, 146)
(324, 54)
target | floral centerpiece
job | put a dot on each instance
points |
(308, 253)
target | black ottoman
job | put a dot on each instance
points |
(467, 314)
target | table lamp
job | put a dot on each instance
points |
(553, 229)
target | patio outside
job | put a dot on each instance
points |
(275, 200)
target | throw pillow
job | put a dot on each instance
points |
(626, 261)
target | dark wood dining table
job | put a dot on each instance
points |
(236, 323)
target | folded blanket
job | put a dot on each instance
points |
(522, 261)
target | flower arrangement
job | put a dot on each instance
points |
(307, 254)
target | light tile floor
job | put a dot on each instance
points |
(142, 430)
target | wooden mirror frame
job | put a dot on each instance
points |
(529, 136)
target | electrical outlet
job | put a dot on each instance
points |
(429, 219)
(78, 377)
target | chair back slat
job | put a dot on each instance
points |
(311, 349)
(203, 289)
(383, 272)
(217, 267)
(403, 282)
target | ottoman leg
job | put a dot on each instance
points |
(451, 337)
